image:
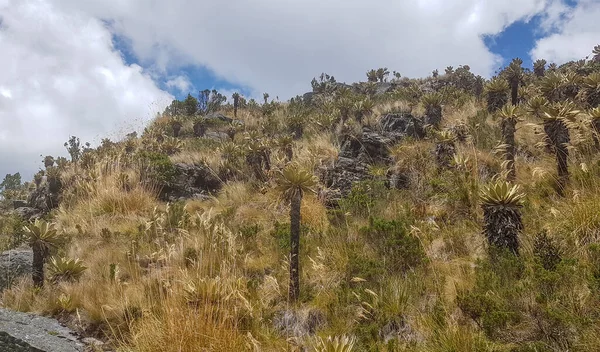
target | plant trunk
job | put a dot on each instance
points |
(514, 92)
(508, 134)
(294, 290)
(37, 275)
(176, 130)
(502, 227)
(558, 137)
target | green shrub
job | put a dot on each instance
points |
(399, 249)
(363, 197)
(156, 167)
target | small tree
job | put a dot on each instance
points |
(445, 148)
(293, 182)
(266, 97)
(372, 76)
(42, 237)
(501, 205)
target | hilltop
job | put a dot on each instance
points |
(445, 213)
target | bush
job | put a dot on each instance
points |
(156, 167)
(399, 249)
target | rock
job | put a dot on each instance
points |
(218, 136)
(29, 213)
(384, 87)
(214, 116)
(19, 204)
(191, 181)
(400, 330)
(298, 323)
(13, 265)
(24, 332)
(398, 125)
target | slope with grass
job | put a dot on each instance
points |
(397, 262)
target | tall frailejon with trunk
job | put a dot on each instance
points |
(293, 182)
(555, 122)
(236, 101)
(539, 68)
(501, 203)
(514, 75)
(42, 236)
(508, 123)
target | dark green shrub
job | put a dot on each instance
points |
(399, 250)
(156, 167)
(363, 197)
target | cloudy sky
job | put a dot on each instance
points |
(102, 68)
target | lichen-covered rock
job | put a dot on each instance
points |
(14, 264)
(298, 323)
(399, 125)
(191, 181)
(23, 332)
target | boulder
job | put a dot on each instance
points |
(217, 116)
(29, 213)
(14, 264)
(298, 323)
(19, 203)
(218, 136)
(399, 125)
(191, 181)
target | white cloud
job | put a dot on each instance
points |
(277, 46)
(61, 76)
(577, 32)
(181, 83)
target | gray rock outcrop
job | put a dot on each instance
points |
(14, 264)
(23, 332)
(191, 181)
(370, 148)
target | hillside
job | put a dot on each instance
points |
(446, 213)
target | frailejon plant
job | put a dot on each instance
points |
(293, 182)
(501, 203)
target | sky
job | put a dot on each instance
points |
(103, 68)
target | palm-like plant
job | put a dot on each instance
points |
(334, 344)
(555, 121)
(286, 144)
(445, 148)
(63, 269)
(42, 237)
(509, 117)
(497, 94)
(363, 108)
(501, 203)
(372, 76)
(200, 127)
(514, 75)
(433, 108)
(236, 101)
(176, 125)
(594, 116)
(258, 156)
(293, 182)
(535, 106)
(590, 90)
(539, 67)
(551, 86)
